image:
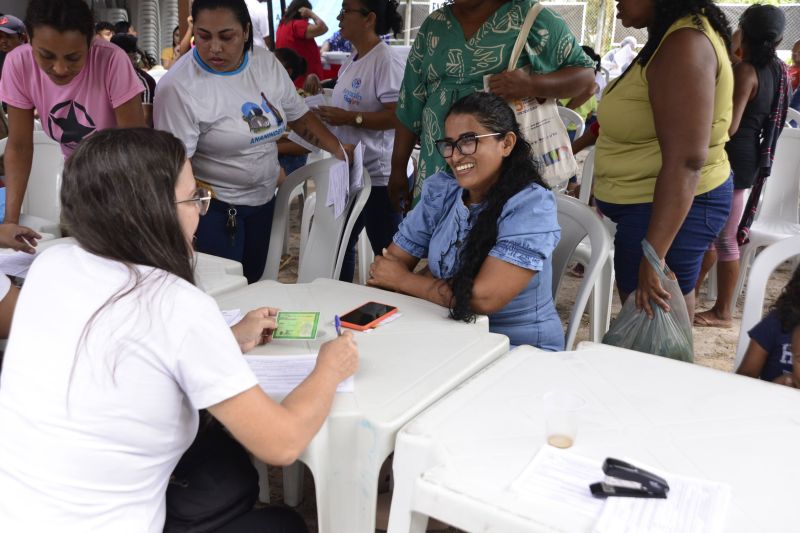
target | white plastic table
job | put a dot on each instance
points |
(455, 462)
(405, 366)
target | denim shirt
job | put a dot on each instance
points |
(438, 227)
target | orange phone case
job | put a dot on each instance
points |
(372, 324)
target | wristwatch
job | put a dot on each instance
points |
(359, 120)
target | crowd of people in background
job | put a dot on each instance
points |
(182, 153)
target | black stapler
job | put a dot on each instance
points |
(625, 480)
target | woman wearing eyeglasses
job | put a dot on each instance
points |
(230, 103)
(101, 386)
(363, 110)
(488, 228)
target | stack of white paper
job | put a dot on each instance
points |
(558, 478)
(692, 506)
(342, 180)
(280, 374)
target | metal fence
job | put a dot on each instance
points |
(594, 22)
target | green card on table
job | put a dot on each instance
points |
(296, 325)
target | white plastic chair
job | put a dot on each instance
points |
(578, 221)
(328, 236)
(600, 301)
(766, 262)
(777, 216)
(41, 205)
(365, 257)
(792, 118)
(571, 118)
(587, 177)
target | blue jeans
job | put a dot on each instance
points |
(381, 222)
(290, 163)
(705, 220)
(250, 242)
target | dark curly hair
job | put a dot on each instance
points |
(762, 31)
(788, 303)
(61, 15)
(517, 172)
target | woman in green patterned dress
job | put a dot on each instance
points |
(455, 48)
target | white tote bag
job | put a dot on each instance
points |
(540, 123)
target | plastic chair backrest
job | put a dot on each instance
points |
(328, 236)
(792, 118)
(578, 221)
(779, 199)
(764, 265)
(587, 177)
(42, 197)
(570, 117)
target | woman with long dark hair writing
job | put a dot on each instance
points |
(113, 351)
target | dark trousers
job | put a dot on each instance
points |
(267, 520)
(248, 244)
(381, 222)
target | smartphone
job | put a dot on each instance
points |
(367, 316)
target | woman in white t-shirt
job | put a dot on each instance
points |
(113, 351)
(363, 101)
(230, 103)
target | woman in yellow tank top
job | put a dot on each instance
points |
(661, 168)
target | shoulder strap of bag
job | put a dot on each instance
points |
(522, 38)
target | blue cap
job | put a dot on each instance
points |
(11, 24)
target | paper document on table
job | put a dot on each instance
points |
(692, 506)
(280, 374)
(338, 187)
(561, 478)
(357, 169)
(13, 263)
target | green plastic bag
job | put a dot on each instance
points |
(666, 334)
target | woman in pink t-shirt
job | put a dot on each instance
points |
(77, 84)
(296, 32)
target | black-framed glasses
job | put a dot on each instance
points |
(202, 197)
(345, 10)
(467, 144)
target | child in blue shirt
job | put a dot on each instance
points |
(769, 355)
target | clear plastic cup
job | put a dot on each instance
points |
(561, 414)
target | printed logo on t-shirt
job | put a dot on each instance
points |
(352, 96)
(786, 354)
(265, 120)
(68, 123)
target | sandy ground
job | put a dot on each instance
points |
(713, 347)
